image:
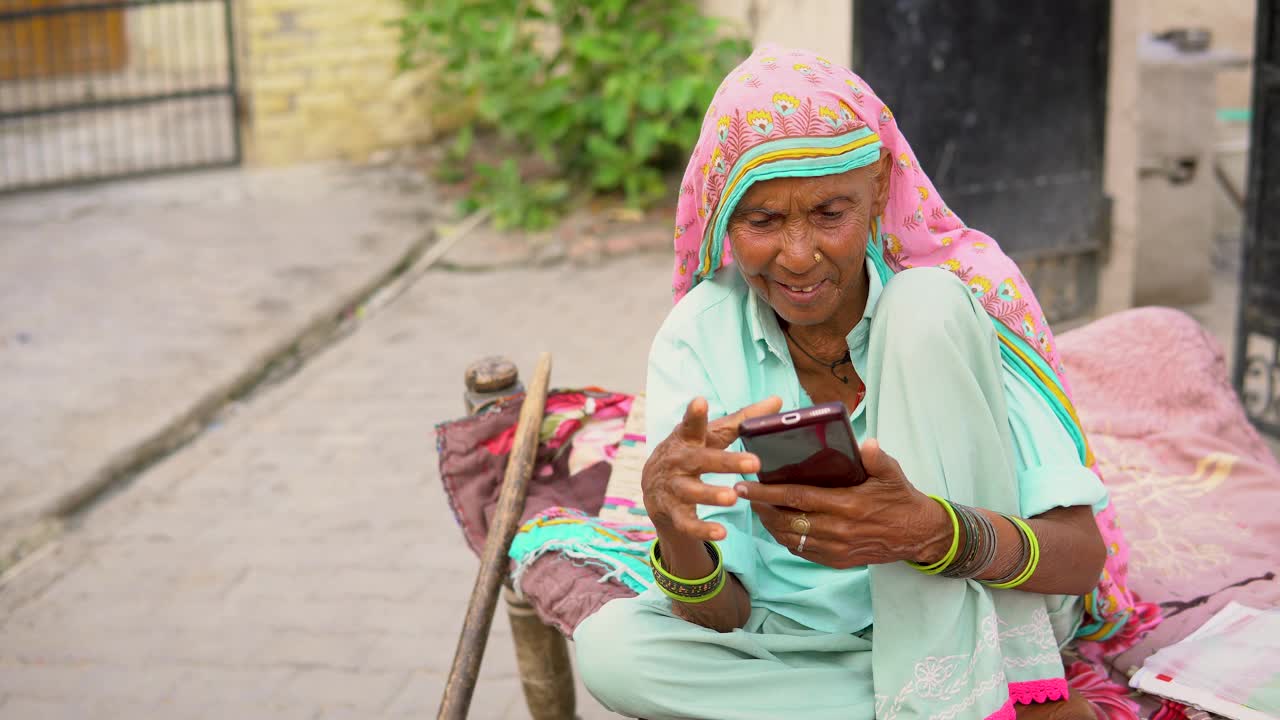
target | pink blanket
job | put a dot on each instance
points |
(1194, 484)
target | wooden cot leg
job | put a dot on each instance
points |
(542, 655)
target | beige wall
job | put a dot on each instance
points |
(1120, 180)
(320, 81)
(823, 26)
(1230, 21)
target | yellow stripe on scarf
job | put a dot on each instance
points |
(784, 154)
(1057, 392)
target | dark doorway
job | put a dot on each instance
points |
(1006, 111)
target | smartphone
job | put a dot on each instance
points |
(810, 446)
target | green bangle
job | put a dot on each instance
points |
(937, 567)
(1033, 555)
(682, 589)
(724, 580)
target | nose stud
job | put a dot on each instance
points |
(817, 257)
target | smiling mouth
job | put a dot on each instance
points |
(797, 288)
(800, 290)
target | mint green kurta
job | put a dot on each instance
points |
(940, 401)
(723, 342)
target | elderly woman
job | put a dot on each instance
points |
(945, 585)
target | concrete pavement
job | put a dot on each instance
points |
(300, 560)
(124, 307)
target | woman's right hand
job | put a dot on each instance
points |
(672, 478)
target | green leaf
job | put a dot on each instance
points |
(594, 48)
(680, 92)
(649, 41)
(612, 86)
(557, 124)
(631, 186)
(552, 191)
(509, 172)
(463, 142)
(651, 97)
(645, 137)
(603, 150)
(615, 118)
(485, 173)
(687, 132)
(507, 37)
(606, 177)
(491, 108)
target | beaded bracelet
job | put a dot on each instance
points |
(689, 591)
(1030, 556)
(940, 565)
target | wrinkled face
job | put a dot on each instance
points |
(780, 224)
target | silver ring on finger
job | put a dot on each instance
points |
(800, 547)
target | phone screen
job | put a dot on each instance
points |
(809, 453)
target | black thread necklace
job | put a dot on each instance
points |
(845, 360)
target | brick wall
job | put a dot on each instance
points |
(320, 81)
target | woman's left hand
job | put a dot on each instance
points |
(884, 520)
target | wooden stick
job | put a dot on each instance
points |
(493, 560)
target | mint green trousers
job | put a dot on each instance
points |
(936, 403)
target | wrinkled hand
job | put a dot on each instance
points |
(672, 478)
(886, 519)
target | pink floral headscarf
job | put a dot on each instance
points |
(789, 112)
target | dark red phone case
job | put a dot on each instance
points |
(810, 446)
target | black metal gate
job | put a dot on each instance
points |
(1257, 367)
(100, 89)
(1007, 112)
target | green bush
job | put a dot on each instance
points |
(608, 94)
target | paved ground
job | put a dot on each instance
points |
(300, 561)
(121, 305)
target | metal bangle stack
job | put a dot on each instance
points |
(979, 549)
(1025, 559)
